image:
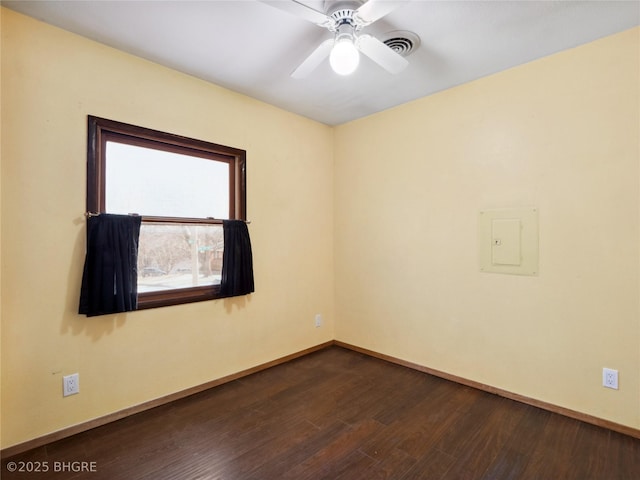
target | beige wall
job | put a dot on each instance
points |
(560, 134)
(51, 81)
(399, 207)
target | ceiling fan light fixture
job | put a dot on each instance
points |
(344, 57)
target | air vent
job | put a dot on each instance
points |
(402, 42)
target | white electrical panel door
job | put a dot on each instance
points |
(508, 241)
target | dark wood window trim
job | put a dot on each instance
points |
(101, 130)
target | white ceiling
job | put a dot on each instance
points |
(251, 47)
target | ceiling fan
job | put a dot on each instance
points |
(346, 19)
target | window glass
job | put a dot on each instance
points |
(164, 184)
(179, 256)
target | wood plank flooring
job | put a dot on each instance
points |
(337, 414)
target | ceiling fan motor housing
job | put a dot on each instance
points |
(343, 13)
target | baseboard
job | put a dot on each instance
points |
(112, 417)
(616, 427)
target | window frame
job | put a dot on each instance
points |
(101, 130)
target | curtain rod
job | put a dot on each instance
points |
(97, 214)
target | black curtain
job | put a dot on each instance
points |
(110, 277)
(237, 260)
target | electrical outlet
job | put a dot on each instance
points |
(70, 384)
(318, 320)
(610, 378)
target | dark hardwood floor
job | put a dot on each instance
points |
(338, 414)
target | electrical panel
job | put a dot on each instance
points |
(508, 241)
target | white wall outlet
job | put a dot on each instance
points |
(318, 320)
(70, 384)
(610, 378)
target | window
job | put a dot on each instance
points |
(182, 188)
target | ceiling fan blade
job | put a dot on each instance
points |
(373, 10)
(381, 54)
(300, 10)
(312, 61)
